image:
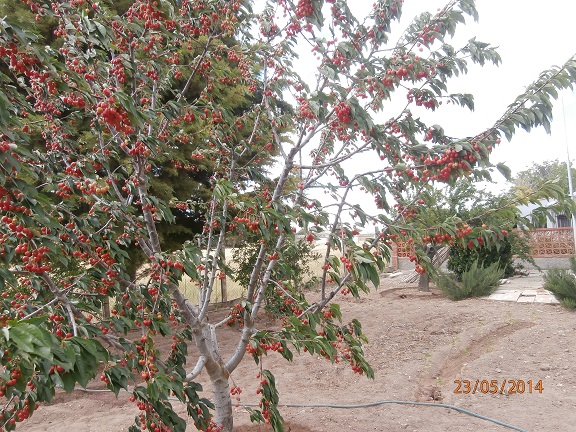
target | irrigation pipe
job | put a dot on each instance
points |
(365, 405)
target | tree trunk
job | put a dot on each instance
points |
(222, 401)
(106, 307)
(424, 281)
(207, 344)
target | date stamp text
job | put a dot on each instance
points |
(504, 386)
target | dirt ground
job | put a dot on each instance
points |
(419, 345)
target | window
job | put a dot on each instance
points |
(563, 222)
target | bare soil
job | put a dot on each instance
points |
(420, 344)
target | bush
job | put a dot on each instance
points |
(453, 289)
(477, 281)
(294, 277)
(300, 254)
(562, 283)
(461, 259)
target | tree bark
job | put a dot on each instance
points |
(106, 307)
(424, 281)
(223, 415)
(207, 343)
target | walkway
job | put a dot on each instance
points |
(524, 289)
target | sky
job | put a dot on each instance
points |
(531, 36)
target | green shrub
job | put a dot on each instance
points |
(477, 281)
(293, 271)
(453, 289)
(562, 283)
(483, 280)
(299, 254)
(461, 259)
(568, 303)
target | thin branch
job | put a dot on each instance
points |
(197, 369)
(30, 315)
(281, 288)
(147, 213)
(73, 312)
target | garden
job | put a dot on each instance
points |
(142, 142)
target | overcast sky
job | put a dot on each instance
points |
(531, 36)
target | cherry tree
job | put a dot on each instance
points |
(153, 88)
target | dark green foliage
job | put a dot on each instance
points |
(291, 278)
(477, 281)
(299, 254)
(170, 182)
(521, 249)
(562, 283)
(451, 287)
(486, 224)
(461, 259)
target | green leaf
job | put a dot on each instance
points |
(328, 72)
(68, 381)
(505, 171)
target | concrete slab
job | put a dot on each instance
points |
(512, 295)
(546, 298)
(500, 291)
(526, 299)
(523, 289)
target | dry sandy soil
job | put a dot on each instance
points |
(419, 345)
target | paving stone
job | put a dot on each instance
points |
(526, 299)
(523, 290)
(545, 298)
(512, 295)
(501, 291)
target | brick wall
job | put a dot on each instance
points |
(550, 248)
